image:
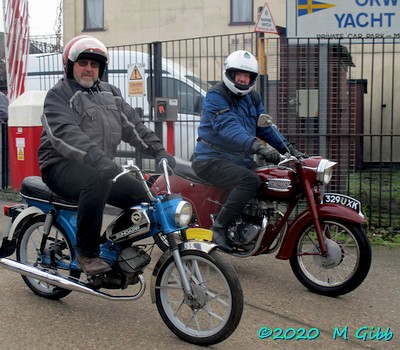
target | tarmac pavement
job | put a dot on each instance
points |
(275, 302)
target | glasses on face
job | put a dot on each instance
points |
(84, 63)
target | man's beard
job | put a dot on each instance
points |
(85, 82)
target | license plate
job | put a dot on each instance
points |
(341, 199)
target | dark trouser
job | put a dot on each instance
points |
(80, 182)
(244, 183)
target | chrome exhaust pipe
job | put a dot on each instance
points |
(62, 282)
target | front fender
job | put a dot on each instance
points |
(325, 212)
(205, 247)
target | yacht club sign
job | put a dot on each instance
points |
(343, 19)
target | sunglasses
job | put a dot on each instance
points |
(84, 63)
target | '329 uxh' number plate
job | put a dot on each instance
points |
(341, 199)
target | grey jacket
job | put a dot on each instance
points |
(76, 119)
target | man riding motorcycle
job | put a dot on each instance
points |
(229, 138)
(84, 121)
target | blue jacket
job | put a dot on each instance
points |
(228, 131)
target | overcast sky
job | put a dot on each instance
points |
(42, 16)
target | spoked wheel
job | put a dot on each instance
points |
(346, 266)
(56, 258)
(217, 307)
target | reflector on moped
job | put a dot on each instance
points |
(199, 234)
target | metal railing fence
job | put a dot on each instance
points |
(338, 99)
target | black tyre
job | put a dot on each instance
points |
(57, 244)
(217, 309)
(346, 266)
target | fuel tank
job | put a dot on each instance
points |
(278, 183)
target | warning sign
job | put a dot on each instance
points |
(135, 80)
(20, 153)
(265, 23)
(136, 74)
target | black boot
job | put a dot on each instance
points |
(219, 237)
(220, 229)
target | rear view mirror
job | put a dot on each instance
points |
(264, 121)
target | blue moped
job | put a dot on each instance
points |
(197, 293)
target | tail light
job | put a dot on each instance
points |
(12, 210)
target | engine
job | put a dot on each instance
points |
(130, 264)
(132, 260)
(248, 225)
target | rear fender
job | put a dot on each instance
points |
(30, 211)
(10, 232)
(326, 212)
(205, 247)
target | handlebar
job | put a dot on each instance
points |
(163, 165)
(265, 121)
(287, 158)
(132, 168)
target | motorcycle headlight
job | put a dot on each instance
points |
(183, 213)
(325, 171)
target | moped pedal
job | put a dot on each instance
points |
(96, 280)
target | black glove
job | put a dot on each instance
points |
(271, 155)
(296, 153)
(162, 153)
(255, 146)
(106, 168)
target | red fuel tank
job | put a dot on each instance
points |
(279, 184)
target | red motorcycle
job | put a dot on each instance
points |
(321, 234)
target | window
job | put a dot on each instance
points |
(242, 12)
(94, 15)
(186, 95)
(189, 99)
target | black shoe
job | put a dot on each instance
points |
(220, 239)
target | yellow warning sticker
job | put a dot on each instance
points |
(136, 74)
(136, 88)
(20, 153)
(136, 83)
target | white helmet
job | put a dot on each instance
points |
(242, 61)
(84, 47)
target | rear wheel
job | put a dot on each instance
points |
(346, 266)
(56, 258)
(216, 309)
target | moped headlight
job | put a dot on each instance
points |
(183, 213)
(325, 171)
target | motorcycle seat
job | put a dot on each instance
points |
(35, 189)
(183, 168)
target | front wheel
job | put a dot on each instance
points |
(343, 269)
(216, 309)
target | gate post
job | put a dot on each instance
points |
(157, 84)
(4, 155)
